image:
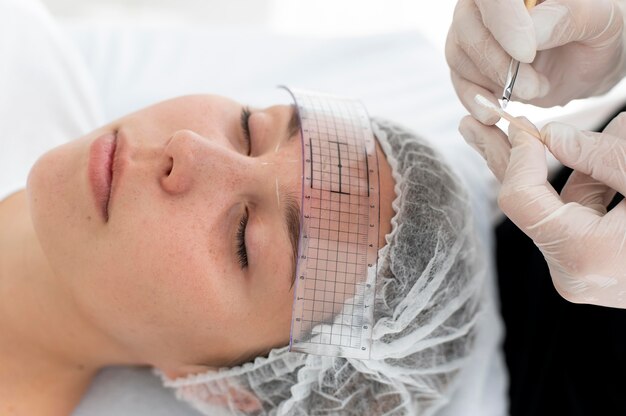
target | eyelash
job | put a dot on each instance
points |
(245, 126)
(242, 253)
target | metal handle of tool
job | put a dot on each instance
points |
(513, 68)
(510, 82)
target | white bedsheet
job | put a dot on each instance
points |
(127, 391)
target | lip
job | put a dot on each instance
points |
(100, 170)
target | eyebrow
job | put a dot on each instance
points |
(291, 214)
(291, 209)
(293, 126)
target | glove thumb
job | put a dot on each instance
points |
(559, 22)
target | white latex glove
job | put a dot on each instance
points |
(580, 42)
(584, 246)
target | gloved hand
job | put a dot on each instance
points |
(584, 246)
(580, 42)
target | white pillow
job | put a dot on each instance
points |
(47, 94)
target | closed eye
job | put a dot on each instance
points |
(245, 127)
(242, 252)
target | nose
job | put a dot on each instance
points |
(187, 156)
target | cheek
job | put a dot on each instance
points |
(160, 280)
(268, 321)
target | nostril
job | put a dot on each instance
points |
(169, 167)
(179, 162)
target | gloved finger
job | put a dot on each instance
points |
(558, 22)
(616, 216)
(489, 141)
(617, 126)
(511, 26)
(477, 42)
(600, 155)
(587, 191)
(526, 197)
(476, 55)
(530, 84)
(466, 91)
(461, 63)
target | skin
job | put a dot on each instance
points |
(159, 282)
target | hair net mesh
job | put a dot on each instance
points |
(428, 293)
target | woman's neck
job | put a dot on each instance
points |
(48, 354)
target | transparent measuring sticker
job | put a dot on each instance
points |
(338, 246)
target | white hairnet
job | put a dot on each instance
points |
(428, 293)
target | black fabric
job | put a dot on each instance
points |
(563, 358)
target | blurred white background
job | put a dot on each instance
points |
(315, 18)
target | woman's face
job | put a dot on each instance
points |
(190, 261)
